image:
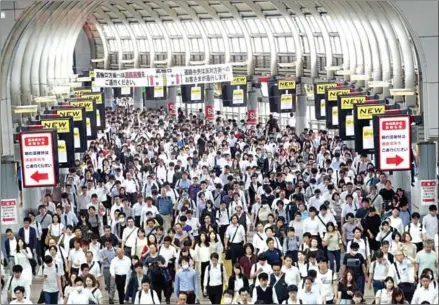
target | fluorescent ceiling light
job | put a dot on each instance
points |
(333, 68)
(360, 77)
(45, 99)
(26, 109)
(402, 92)
(343, 72)
(378, 84)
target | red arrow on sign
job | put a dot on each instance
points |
(397, 160)
(39, 176)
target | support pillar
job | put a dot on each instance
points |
(427, 171)
(172, 102)
(209, 103)
(9, 190)
(138, 98)
(300, 114)
(252, 108)
(108, 97)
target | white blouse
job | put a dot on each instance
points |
(56, 229)
(385, 296)
(202, 253)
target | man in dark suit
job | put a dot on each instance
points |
(28, 234)
(135, 282)
(10, 249)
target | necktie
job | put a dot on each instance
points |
(65, 220)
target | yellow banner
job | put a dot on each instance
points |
(334, 93)
(367, 132)
(88, 105)
(309, 89)
(321, 88)
(349, 120)
(62, 147)
(366, 112)
(76, 133)
(81, 91)
(62, 126)
(93, 96)
(76, 114)
(91, 73)
(286, 98)
(239, 81)
(286, 85)
(347, 103)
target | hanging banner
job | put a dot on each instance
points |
(252, 117)
(239, 81)
(159, 92)
(196, 94)
(210, 112)
(238, 97)
(164, 77)
(286, 102)
(9, 214)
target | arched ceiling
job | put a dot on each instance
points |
(299, 38)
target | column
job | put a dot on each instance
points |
(252, 108)
(300, 113)
(209, 103)
(9, 190)
(172, 101)
(108, 97)
(427, 171)
(138, 98)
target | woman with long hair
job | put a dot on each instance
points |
(215, 244)
(396, 243)
(56, 228)
(407, 246)
(346, 287)
(92, 285)
(3, 292)
(358, 298)
(333, 243)
(70, 286)
(141, 242)
(237, 280)
(84, 226)
(22, 257)
(398, 296)
(384, 296)
(202, 255)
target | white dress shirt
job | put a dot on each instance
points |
(255, 295)
(21, 281)
(421, 294)
(24, 301)
(265, 268)
(83, 297)
(129, 236)
(213, 276)
(313, 226)
(120, 266)
(292, 275)
(237, 238)
(149, 297)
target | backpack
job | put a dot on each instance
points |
(140, 295)
(208, 274)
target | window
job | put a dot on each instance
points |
(299, 24)
(237, 45)
(143, 45)
(196, 45)
(137, 29)
(279, 25)
(232, 26)
(336, 45)
(255, 26)
(329, 24)
(216, 45)
(177, 45)
(320, 45)
(127, 45)
(108, 31)
(112, 47)
(122, 30)
(313, 24)
(291, 46)
(191, 27)
(261, 45)
(305, 43)
(159, 45)
(154, 29)
(212, 27)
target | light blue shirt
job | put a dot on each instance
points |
(186, 280)
(107, 256)
(71, 219)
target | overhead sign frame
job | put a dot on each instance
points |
(393, 142)
(363, 128)
(331, 99)
(90, 113)
(39, 158)
(319, 99)
(345, 114)
(79, 124)
(100, 108)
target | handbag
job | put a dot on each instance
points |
(229, 250)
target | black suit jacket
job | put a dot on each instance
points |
(33, 240)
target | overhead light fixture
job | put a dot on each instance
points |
(45, 99)
(402, 92)
(333, 68)
(360, 77)
(25, 109)
(378, 84)
(61, 90)
(84, 79)
(343, 72)
(2, 15)
(96, 60)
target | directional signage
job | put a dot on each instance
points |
(38, 158)
(428, 192)
(393, 142)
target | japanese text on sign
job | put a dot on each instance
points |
(37, 156)
(428, 192)
(8, 211)
(167, 76)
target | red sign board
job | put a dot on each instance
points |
(210, 112)
(172, 108)
(8, 211)
(394, 143)
(252, 117)
(38, 159)
(428, 192)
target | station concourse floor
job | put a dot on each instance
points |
(38, 285)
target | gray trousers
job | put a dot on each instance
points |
(110, 284)
(11, 263)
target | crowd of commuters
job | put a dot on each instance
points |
(158, 205)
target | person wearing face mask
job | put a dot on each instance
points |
(186, 280)
(357, 263)
(227, 297)
(81, 295)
